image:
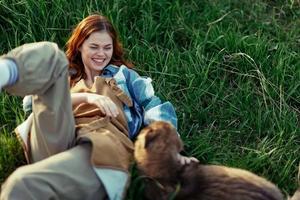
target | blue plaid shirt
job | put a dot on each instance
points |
(146, 106)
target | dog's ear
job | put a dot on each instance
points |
(150, 137)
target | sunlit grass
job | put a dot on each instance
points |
(231, 68)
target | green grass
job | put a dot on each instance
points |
(231, 68)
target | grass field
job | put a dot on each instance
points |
(231, 68)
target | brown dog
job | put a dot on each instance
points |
(156, 151)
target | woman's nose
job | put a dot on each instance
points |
(100, 52)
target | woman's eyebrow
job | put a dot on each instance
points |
(95, 44)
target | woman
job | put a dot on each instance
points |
(79, 145)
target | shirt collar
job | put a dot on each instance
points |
(110, 70)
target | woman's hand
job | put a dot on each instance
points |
(186, 160)
(104, 103)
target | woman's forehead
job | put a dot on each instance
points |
(99, 38)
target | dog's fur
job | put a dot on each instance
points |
(156, 151)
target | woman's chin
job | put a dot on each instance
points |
(99, 68)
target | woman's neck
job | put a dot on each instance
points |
(90, 79)
(90, 76)
(88, 83)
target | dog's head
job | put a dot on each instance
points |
(157, 146)
(159, 137)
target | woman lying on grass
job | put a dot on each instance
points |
(79, 145)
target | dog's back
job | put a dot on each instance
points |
(212, 182)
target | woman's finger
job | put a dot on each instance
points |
(113, 108)
(99, 105)
(194, 159)
(186, 160)
(107, 109)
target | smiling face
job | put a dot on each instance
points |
(96, 53)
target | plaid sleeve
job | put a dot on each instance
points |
(154, 109)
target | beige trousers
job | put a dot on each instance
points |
(60, 170)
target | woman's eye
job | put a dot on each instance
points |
(107, 48)
(93, 47)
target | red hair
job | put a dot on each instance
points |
(81, 32)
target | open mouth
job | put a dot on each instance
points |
(98, 61)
